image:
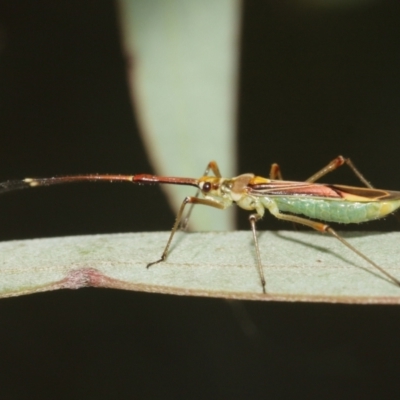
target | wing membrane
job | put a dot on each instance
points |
(292, 188)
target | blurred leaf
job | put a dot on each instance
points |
(183, 74)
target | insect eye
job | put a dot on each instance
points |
(206, 187)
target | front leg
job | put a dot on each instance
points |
(188, 200)
(213, 167)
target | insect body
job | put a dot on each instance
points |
(331, 203)
(286, 200)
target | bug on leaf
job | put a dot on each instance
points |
(306, 203)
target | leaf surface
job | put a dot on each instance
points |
(299, 266)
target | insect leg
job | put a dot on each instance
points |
(336, 163)
(275, 172)
(253, 218)
(346, 243)
(188, 200)
(319, 226)
(211, 166)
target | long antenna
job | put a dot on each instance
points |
(141, 179)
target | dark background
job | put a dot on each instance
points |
(314, 83)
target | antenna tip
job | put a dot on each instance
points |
(31, 182)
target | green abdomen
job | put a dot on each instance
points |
(336, 210)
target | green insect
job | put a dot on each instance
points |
(285, 200)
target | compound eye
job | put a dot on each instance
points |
(206, 187)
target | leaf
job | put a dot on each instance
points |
(299, 266)
(183, 77)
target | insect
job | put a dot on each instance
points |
(285, 200)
